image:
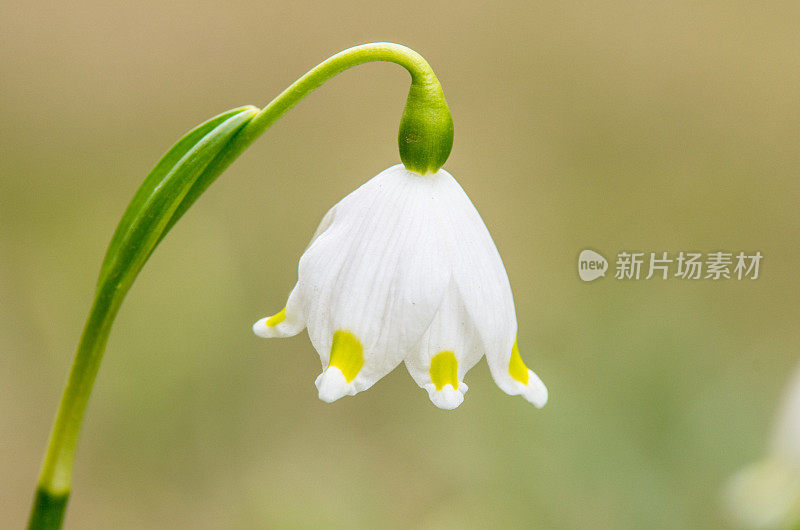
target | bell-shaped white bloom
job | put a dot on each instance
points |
(766, 494)
(403, 269)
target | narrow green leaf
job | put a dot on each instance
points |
(213, 170)
(156, 175)
(162, 191)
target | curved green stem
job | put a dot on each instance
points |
(426, 128)
(184, 173)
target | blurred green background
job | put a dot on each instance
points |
(618, 126)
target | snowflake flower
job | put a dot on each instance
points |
(404, 269)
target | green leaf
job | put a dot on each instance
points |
(148, 215)
(206, 178)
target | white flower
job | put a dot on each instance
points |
(766, 494)
(403, 269)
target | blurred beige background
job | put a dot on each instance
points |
(614, 126)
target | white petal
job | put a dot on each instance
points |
(786, 436)
(332, 385)
(451, 338)
(766, 494)
(485, 290)
(516, 379)
(376, 273)
(288, 322)
(448, 398)
(534, 390)
(291, 319)
(326, 222)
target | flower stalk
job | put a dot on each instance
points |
(183, 174)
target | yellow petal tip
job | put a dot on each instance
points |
(517, 368)
(347, 354)
(276, 319)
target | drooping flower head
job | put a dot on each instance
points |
(403, 269)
